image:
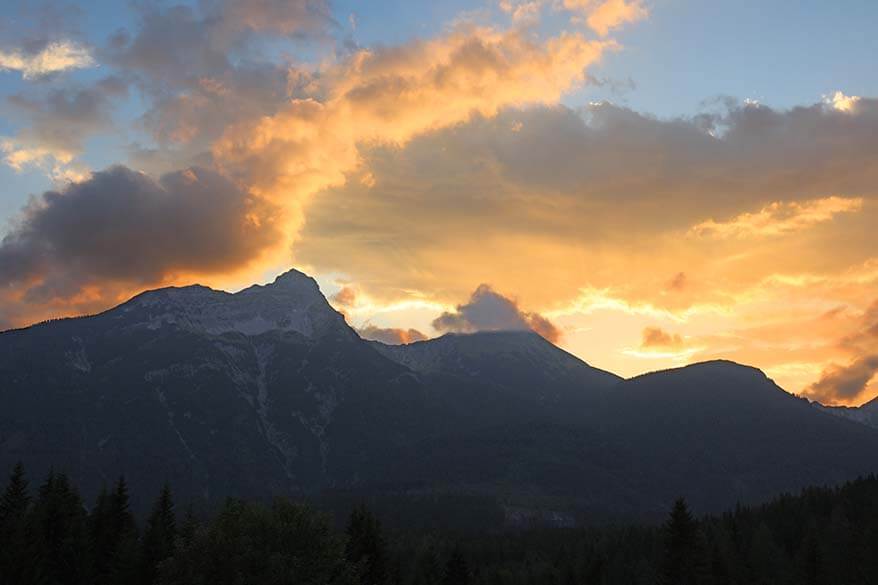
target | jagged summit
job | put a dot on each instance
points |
(291, 281)
(293, 302)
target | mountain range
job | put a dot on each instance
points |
(268, 391)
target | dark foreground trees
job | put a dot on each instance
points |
(284, 544)
(48, 536)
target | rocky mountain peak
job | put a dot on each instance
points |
(293, 302)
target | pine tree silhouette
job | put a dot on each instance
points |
(113, 536)
(684, 561)
(58, 528)
(159, 536)
(457, 570)
(13, 536)
(365, 545)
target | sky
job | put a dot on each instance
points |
(646, 183)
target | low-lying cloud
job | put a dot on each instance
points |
(849, 382)
(488, 310)
(390, 335)
(658, 338)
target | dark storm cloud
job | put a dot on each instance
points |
(488, 310)
(121, 225)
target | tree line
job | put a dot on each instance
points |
(48, 536)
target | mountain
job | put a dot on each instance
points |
(866, 414)
(268, 391)
(506, 368)
(731, 427)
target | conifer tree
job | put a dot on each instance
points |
(365, 545)
(58, 529)
(13, 537)
(102, 545)
(430, 570)
(15, 499)
(159, 536)
(189, 527)
(124, 568)
(684, 558)
(115, 550)
(457, 570)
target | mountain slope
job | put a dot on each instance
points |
(268, 391)
(866, 414)
(733, 429)
(507, 368)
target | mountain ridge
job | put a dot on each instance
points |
(268, 391)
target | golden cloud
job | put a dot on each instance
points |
(604, 15)
(779, 218)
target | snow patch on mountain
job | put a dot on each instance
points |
(866, 414)
(293, 302)
(78, 358)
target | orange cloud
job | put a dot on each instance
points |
(391, 95)
(779, 218)
(655, 337)
(391, 336)
(346, 297)
(604, 15)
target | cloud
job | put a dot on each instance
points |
(488, 310)
(122, 227)
(850, 382)
(578, 199)
(210, 65)
(54, 58)
(176, 45)
(844, 383)
(599, 15)
(657, 338)
(523, 11)
(841, 102)
(58, 123)
(779, 218)
(391, 336)
(388, 96)
(279, 134)
(346, 296)
(604, 15)
(678, 282)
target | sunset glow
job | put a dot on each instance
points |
(494, 170)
